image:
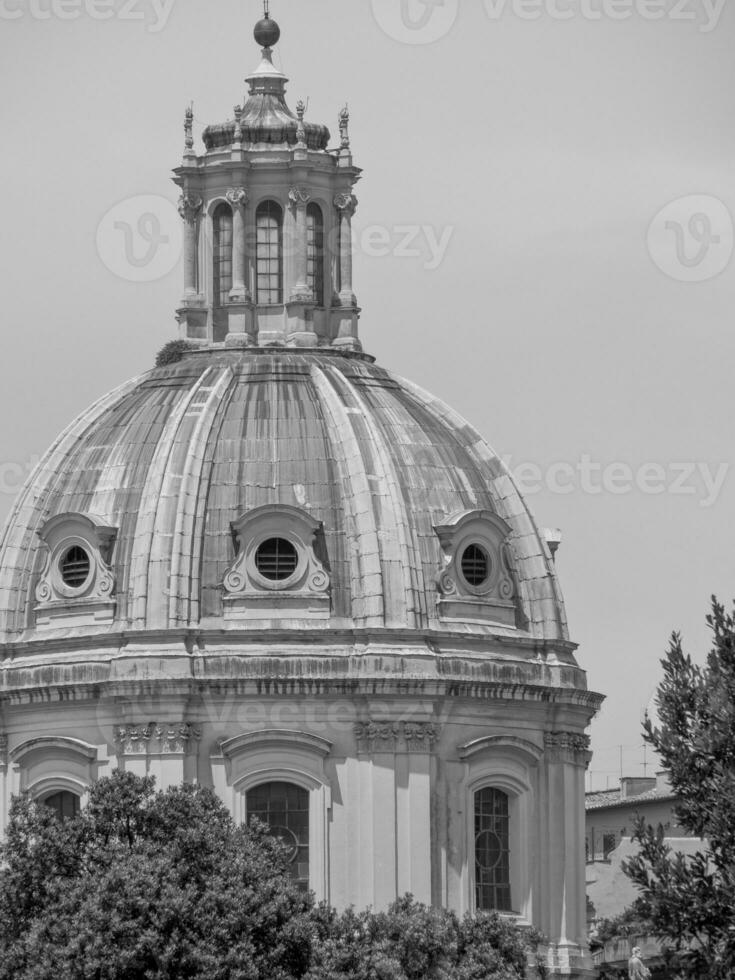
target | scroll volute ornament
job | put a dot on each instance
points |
(238, 197)
(310, 576)
(190, 206)
(345, 203)
(492, 598)
(63, 533)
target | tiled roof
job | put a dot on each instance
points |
(610, 798)
(172, 458)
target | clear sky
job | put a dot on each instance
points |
(514, 254)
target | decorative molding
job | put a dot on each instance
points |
(93, 600)
(134, 739)
(275, 738)
(567, 747)
(190, 206)
(188, 129)
(299, 196)
(176, 738)
(238, 197)
(344, 124)
(50, 743)
(501, 743)
(496, 598)
(346, 203)
(301, 129)
(394, 736)
(157, 739)
(306, 592)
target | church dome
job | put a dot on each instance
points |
(382, 472)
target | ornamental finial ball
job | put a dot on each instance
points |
(267, 32)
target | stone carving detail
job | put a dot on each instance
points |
(299, 196)
(567, 747)
(94, 595)
(237, 137)
(133, 739)
(238, 197)
(344, 124)
(392, 736)
(306, 591)
(136, 739)
(493, 598)
(190, 206)
(189, 128)
(346, 203)
(300, 129)
(176, 738)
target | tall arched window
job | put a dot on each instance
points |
(284, 807)
(222, 258)
(269, 253)
(492, 851)
(65, 805)
(315, 252)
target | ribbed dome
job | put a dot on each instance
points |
(173, 458)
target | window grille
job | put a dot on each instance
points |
(315, 252)
(222, 256)
(475, 565)
(492, 851)
(284, 807)
(75, 567)
(276, 559)
(65, 805)
(269, 253)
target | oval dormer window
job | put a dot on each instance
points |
(475, 565)
(75, 567)
(276, 559)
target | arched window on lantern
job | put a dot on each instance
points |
(284, 808)
(269, 253)
(315, 252)
(492, 850)
(221, 266)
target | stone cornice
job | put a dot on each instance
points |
(269, 680)
(430, 642)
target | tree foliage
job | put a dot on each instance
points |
(691, 900)
(164, 886)
(173, 352)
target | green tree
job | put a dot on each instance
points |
(143, 885)
(148, 885)
(691, 900)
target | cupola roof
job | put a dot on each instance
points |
(266, 116)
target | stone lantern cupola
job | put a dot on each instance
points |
(268, 213)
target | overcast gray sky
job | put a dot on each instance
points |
(543, 181)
